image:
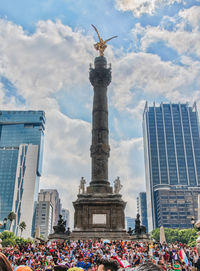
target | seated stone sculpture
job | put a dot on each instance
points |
(139, 229)
(60, 228)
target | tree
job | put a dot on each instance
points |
(184, 236)
(21, 241)
(22, 226)
(9, 239)
(11, 217)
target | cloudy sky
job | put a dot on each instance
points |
(46, 47)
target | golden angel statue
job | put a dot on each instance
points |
(101, 45)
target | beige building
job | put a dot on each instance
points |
(48, 210)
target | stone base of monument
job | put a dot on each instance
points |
(58, 236)
(91, 235)
(99, 213)
(94, 235)
(104, 235)
(145, 237)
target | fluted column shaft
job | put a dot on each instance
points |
(100, 78)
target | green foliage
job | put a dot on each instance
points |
(9, 239)
(22, 241)
(7, 235)
(184, 236)
(8, 242)
(22, 226)
(155, 234)
(11, 217)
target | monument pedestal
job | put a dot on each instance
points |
(144, 237)
(99, 216)
(95, 235)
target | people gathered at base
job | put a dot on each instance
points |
(99, 255)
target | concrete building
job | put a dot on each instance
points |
(48, 215)
(142, 209)
(44, 218)
(172, 164)
(21, 149)
(66, 217)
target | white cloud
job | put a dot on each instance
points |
(178, 38)
(45, 62)
(191, 16)
(139, 7)
(8, 102)
(148, 74)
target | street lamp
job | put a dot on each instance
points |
(4, 223)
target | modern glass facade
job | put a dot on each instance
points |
(142, 209)
(130, 222)
(176, 207)
(172, 153)
(21, 148)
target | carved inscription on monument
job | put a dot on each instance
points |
(99, 219)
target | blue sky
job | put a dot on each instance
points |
(45, 50)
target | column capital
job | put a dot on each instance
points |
(100, 76)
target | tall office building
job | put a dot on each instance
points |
(21, 148)
(51, 195)
(44, 218)
(65, 216)
(172, 164)
(142, 209)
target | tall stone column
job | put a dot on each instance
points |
(100, 78)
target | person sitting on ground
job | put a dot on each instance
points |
(108, 265)
(4, 263)
(148, 266)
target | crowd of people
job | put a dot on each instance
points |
(86, 255)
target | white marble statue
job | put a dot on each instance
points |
(117, 186)
(82, 186)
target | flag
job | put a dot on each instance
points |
(183, 257)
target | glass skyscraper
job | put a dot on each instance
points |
(172, 164)
(21, 149)
(142, 209)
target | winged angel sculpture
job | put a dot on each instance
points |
(101, 45)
